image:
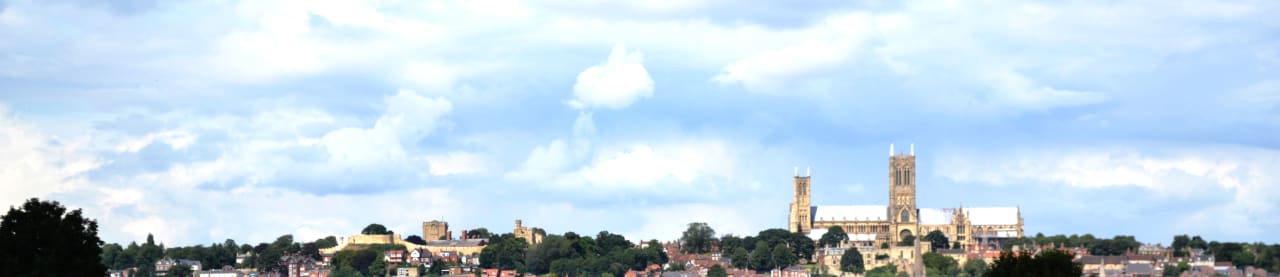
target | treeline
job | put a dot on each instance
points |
(769, 249)
(571, 254)
(1102, 247)
(1242, 255)
(265, 256)
(1260, 255)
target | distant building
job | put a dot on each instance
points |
(219, 273)
(435, 230)
(527, 234)
(871, 226)
(163, 265)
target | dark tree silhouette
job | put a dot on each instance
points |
(43, 239)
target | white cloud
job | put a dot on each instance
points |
(816, 50)
(177, 140)
(457, 163)
(36, 164)
(641, 166)
(614, 84)
(1172, 174)
(1019, 92)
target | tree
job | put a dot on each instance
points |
(347, 272)
(907, 240)
(834, 236)
(888, 270)
(851, 261)
(697, 238)
(378, 267)
(482, 233)
(761, 257)
(416, 240)
(939, 265)
(1049, 263)
(1179, 245)
(975, 267)
(375, 229)
(937, 240)
(504, 252)
(43, 239)
(717, 271)
(782, 256)
(740, 258)
(179, 270)
(323, 243)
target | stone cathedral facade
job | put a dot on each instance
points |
(871, 226)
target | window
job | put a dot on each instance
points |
(905, 216)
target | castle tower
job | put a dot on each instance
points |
(902, 194)
(800, 220)
(435, 230)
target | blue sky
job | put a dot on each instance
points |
(205, 120)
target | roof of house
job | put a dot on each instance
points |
(993, 215)
(1139, 268)
(850, 213)
(463, 242)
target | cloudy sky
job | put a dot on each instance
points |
(205, 120)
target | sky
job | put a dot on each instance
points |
(198, 121)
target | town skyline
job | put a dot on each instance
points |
(202, 121)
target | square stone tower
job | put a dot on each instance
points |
(902, 194)
(435, 230)
(800, 220)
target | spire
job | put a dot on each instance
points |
(913, 149)
(806, 171)
(797, 174)
(891, 150)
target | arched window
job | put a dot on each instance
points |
(905, 216)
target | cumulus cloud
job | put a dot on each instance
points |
(615, 84)
(36, 164)
(817, 49)
(1174, 174)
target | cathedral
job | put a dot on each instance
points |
(872, 226)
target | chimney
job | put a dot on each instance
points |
(463, 235)
(449, 236)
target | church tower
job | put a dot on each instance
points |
(902, 194)
(800, 220)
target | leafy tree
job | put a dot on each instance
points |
(379, 267)
(783, 257)
(975, 267)
(698, 238)
(740, 258)
(504, 252)
(888, 270)
(416, 240)
(179, 270)
(43, 239)
(436, 267)
(907, 240)
(1197, 243)
(358, 260)
(937, 240)
(482, 233)
(802, 247)
(347, 272)
(1179, 245)
(761, 257)
(884, 245)
(717, 271)
(1050, 263)
(939, 265)
(834, 236)
(851, 261)
(375, 229)
(326, 242)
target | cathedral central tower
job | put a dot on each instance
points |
(902, 193)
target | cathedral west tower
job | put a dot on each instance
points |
(800, 220)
